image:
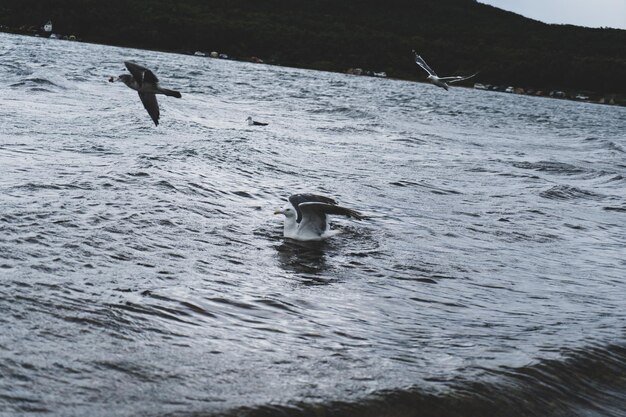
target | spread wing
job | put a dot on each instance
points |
(141, 74)
(420, 61)
(151, 104)
(313, 218)
(458, 78)
(315, 209)
(298, 199)
(314, 215)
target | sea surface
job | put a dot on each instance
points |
(143, 271)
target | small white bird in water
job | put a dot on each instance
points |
(434, 79)
(144, 81)
(254, 123)
(306, 216)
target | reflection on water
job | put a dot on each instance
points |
(307, 258)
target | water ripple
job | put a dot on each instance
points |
(145, 273)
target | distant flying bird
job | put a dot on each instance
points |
(254, 123)
(306, 216)
(434, 79)
(144, 81)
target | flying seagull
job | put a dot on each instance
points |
(305, 216)
(144, 81)
(254, 123)
(434, 79)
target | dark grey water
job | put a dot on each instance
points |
(144, 273)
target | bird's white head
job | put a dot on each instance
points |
(288, 211)
(249, 120)
(290, 225)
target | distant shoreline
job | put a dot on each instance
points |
(454, 36)
(592, 97)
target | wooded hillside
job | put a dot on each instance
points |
(454, 36)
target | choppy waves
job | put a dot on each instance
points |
(587, 382)
(144, 272)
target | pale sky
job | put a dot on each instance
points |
(590, 13)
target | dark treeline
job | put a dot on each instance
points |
(454, 36)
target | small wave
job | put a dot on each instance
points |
(23, 404)
(173, 314)
(432, 188)
(618, 209)
(606, 144)
(40, 186)
(243, 194)
(344, 111)
(35, 187)
(616, 178)
(567, 192)
(166, 184)
(550, 166)
(614, 147)
(410, 140)
(35, 83)
(138, 174)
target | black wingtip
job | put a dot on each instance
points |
(356, 215)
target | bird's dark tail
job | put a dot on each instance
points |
(171, 93)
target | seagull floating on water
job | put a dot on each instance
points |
(144, 81)
(306, 216)
(434, 79)
(254, 123)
